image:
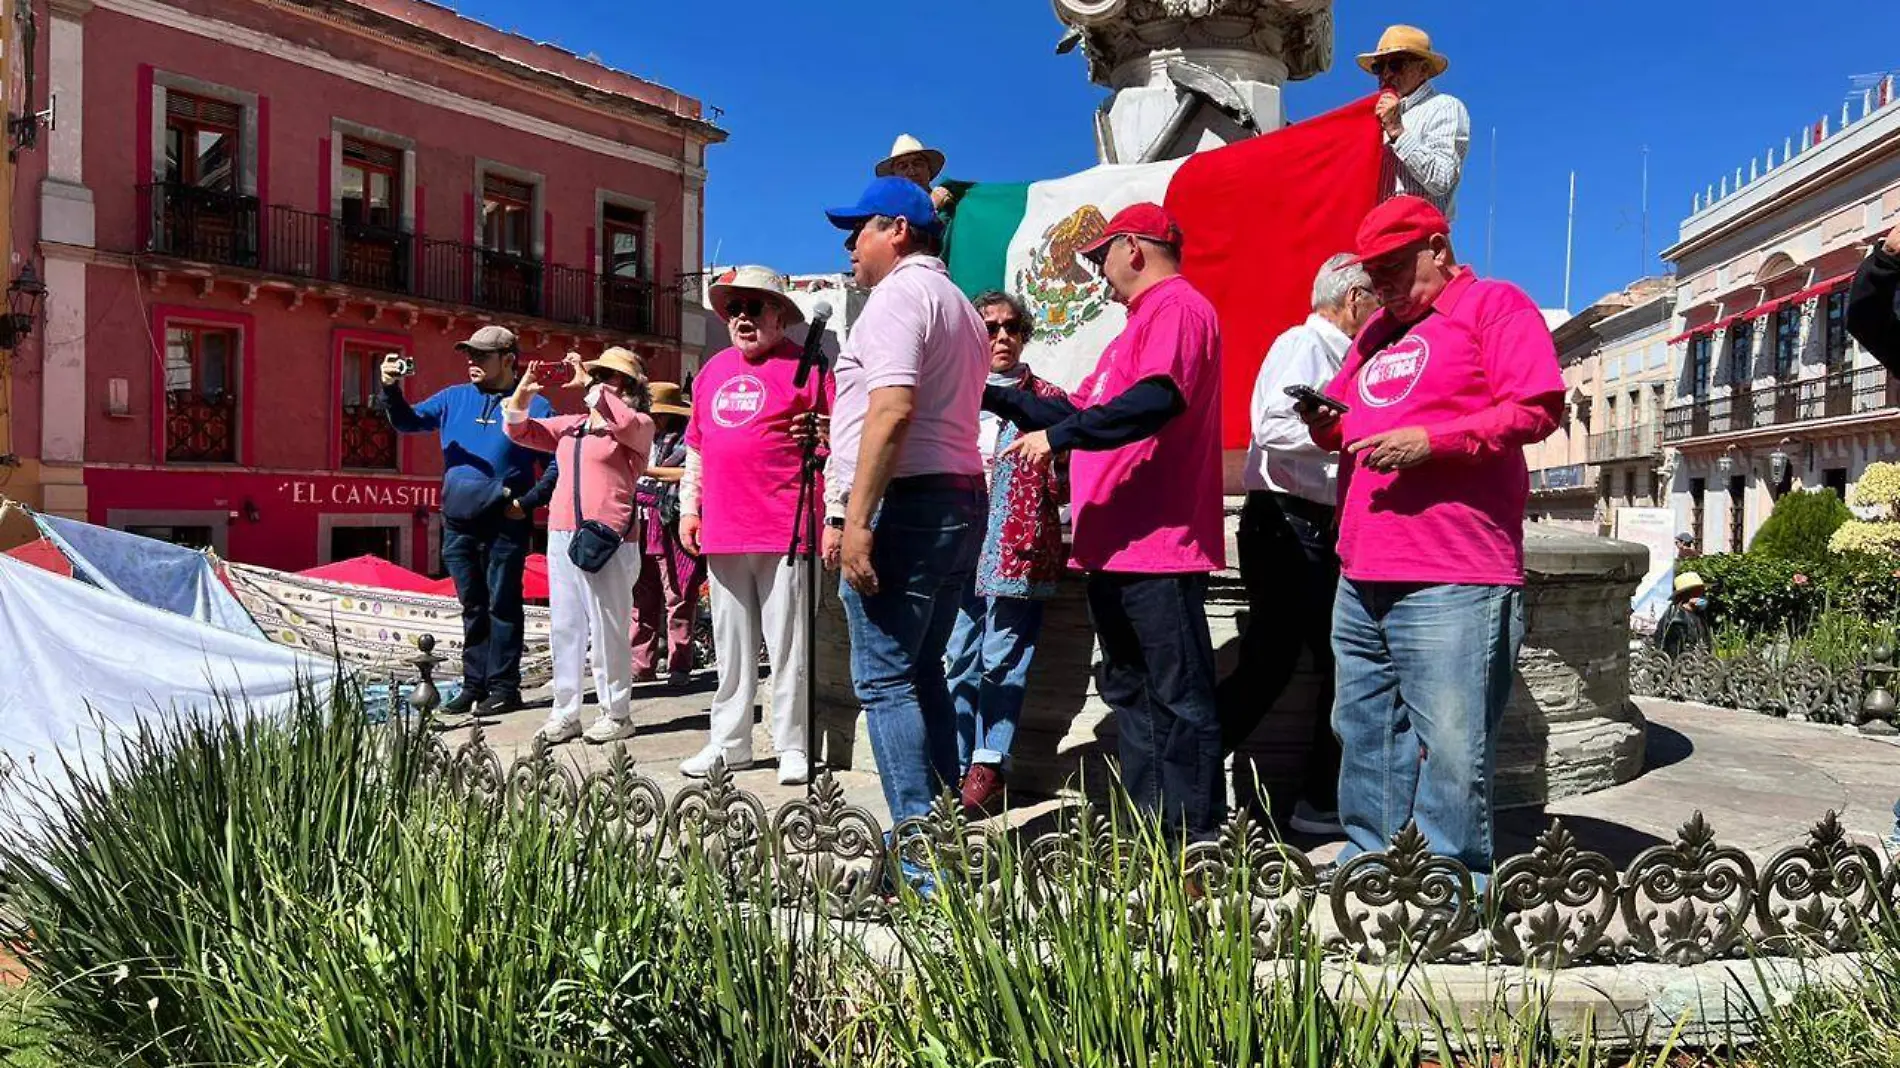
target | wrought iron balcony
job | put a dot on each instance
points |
(1836, 394)
(1625, 443)
(221, 229)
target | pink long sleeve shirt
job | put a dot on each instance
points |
(613, 456)
(1479, 372)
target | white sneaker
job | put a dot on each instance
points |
(608, 729)
(1309, 820)
(559, 729)
(793, 768)
(700, 764)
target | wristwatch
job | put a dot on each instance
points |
(835, 522)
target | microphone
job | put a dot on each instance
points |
(814, 354)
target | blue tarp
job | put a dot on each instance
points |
(153, 573)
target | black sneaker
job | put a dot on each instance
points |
(500, 704)
(458, 712)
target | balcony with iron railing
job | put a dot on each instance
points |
(1840, 393)
(222, 229)
(1625, 443)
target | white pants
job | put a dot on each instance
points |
(754, 592)
(596, 607)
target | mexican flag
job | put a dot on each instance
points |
(1260, 217)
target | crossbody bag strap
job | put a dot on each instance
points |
(633, 510)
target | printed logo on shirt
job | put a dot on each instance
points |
(1390, 377)
(738, 401)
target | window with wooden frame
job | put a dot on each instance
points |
(201, 403)
(1787, 339)
(1741, 349)
(623, 233)
(371, 184)
(1699, 359)
(201, 141)
(1838, 351)
(507, 225)
(368, 441)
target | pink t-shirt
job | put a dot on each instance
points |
(742, 429)
(918, 329)
(1154, 507)
(1479, 372)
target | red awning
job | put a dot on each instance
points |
(1696, 331)
(372, 571)
(1766, 308)
(1839, 281)
(42, 554)
(534, 580)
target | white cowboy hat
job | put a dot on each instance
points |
(1406, 40)
(906, 145)
(760, 281)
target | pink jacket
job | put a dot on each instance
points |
(612, 459)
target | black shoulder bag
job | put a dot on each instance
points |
(594, 542)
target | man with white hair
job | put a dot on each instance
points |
(1286, 541)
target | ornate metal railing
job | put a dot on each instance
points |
(1838, 393)
(200, 429)
(1625, 443)
(1798, 687)
(1683, 903)
(195, 223)
(368, 441)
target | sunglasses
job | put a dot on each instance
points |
(1394, 64)
(1015, 327)
(753, 307)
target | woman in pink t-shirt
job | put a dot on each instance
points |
(601, 456)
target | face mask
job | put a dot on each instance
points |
(1700, 604)
(593, 393)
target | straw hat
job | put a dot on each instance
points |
(906, 145)
(1408, 40)
(667, 399)
(755, 281)
(1688, 580)
(617, 359)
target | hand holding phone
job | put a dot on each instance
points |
(1306, 397)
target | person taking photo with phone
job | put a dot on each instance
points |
(489, 494)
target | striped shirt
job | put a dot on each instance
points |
(1429, 155)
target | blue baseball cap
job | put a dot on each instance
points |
(893, 198)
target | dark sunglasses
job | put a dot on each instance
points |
(753, 307)
(1015, 327)
(1391, 63)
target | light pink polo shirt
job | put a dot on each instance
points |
(1154, 507)
(919, 330)
(1479, 372)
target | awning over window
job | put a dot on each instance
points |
(1696, 331)
(1820, 289)
(1767, 308)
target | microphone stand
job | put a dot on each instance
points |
(806, 545)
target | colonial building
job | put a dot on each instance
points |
(1606, 454)
(1770, 392)
(246, 203)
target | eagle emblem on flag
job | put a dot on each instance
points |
(1061, 291)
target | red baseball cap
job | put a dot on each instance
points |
(1401, 221)
(1146, 219)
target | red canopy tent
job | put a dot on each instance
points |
(534, 580)
(42, 554)
(373, 571)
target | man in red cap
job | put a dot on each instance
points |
(1444, 387)
(1145, 482)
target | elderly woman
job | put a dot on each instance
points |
(666, 598)
(739, 506)
(987, 662)
(590, 597)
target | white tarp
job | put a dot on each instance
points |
(82, 667)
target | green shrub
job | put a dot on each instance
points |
(1759, 594)
(1800, 525)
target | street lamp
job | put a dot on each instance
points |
(1726, 462)
(1778, 465)
(26, 299)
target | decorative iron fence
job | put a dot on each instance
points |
(1682, 903)
(1799, 687)
(1838, 393)
(200, 429)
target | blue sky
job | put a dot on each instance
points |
(812, 95)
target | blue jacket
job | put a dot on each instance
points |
(482, 468)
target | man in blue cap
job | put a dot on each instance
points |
(905, 503)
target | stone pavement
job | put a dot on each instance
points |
(1760, 782)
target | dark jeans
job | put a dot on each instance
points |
(1157, 676)
(926, 537)
(1290, 566)
(485, 557)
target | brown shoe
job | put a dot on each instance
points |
(982, 790)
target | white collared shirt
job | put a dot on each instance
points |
(1281, 456)
(1428, 157)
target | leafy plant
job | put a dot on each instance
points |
(1800, 526)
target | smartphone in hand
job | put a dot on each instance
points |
(1309, 397)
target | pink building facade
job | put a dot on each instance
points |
(245, 204)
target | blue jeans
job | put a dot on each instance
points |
(1157, 675)
(486, 557)
(1422, 675)
(924, 550)
(990, 651)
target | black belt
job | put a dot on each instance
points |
(934, 483)
(1317, 514)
